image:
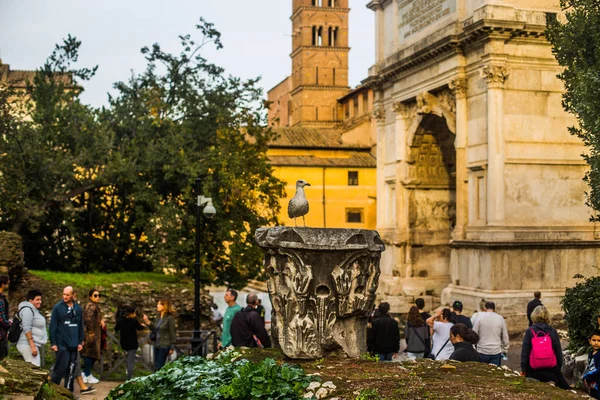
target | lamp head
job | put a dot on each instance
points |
(209, 210)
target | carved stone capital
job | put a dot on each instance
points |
(495, 75)
(322, 285)
(458, 86)
(401, 109)
(379, 115)
(442, 104)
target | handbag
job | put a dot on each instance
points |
(438, 353)
(154, 333)
(427, 347)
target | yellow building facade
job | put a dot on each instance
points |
(326, 136)
(342, 178)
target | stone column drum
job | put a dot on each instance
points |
(322, 285)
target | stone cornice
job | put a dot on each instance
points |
(318, 48)
(315, 8)
(473, 32)
(525, 244)
(315, 87)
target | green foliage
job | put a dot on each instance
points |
(368, 394)
(582, 307)
(369, 357)
(576, 45)
(113, 189)
(103, 279)
(195, 378)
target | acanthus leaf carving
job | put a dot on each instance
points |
(495, 74)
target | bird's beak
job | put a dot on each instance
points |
(307, 184)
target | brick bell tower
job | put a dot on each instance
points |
(319, 61)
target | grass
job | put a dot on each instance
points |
(103, 279)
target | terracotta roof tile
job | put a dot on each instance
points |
(300, 137)
(357, 159)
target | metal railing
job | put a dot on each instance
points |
(113, 358)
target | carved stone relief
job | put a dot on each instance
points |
(322, 285)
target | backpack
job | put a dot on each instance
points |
(14, 332)
(542, 355)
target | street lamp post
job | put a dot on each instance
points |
(205, 205)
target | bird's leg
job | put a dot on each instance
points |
(303, 220)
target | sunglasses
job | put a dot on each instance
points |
(96, 295)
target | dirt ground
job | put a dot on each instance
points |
(424, 379)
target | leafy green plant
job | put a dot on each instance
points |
(368, 394)
(581, 304)
(226, 377)
(369, 357)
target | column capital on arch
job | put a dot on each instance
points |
(495, 75)
(401, 109)
(459, 86)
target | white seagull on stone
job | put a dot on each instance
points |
(298, 205)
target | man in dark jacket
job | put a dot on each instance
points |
(533, 304)
(457, 308)
(384, 335)
(66, 337)
(248, 328)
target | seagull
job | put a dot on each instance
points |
(298, 205)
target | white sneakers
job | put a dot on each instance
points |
(89, 378)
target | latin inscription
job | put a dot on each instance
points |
(416, 15)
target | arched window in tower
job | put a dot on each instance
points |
(318, 3)
(333, 34)
(331, 3)
(320, 36)
(333, 75)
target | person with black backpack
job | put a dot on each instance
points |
(33, 328)
(248, 328)
(4, 319)
(418, 341)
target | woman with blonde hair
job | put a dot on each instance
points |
(546, 369)
(164, 334)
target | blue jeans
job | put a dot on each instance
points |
(385, 356)
(88, 363)
(490, 359)
(160, 357)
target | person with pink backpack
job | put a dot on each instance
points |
(541, 354)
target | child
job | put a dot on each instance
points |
(128, 327)
(591, 376)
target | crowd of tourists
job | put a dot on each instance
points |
(79, 333)
(449, 335)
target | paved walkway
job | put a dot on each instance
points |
(103, 388)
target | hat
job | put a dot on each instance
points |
(457, 305)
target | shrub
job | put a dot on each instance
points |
(582, 307)
(196, 378)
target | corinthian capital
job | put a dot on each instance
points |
(400, 109)
(495, 74)
(458, 86)
(379, 115)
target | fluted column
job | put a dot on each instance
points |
(495, 75)
(459, 87)
(379, 117)
(401, 128)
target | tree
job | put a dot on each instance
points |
(135, 203)
(576, 45)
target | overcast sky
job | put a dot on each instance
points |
(255, 34)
